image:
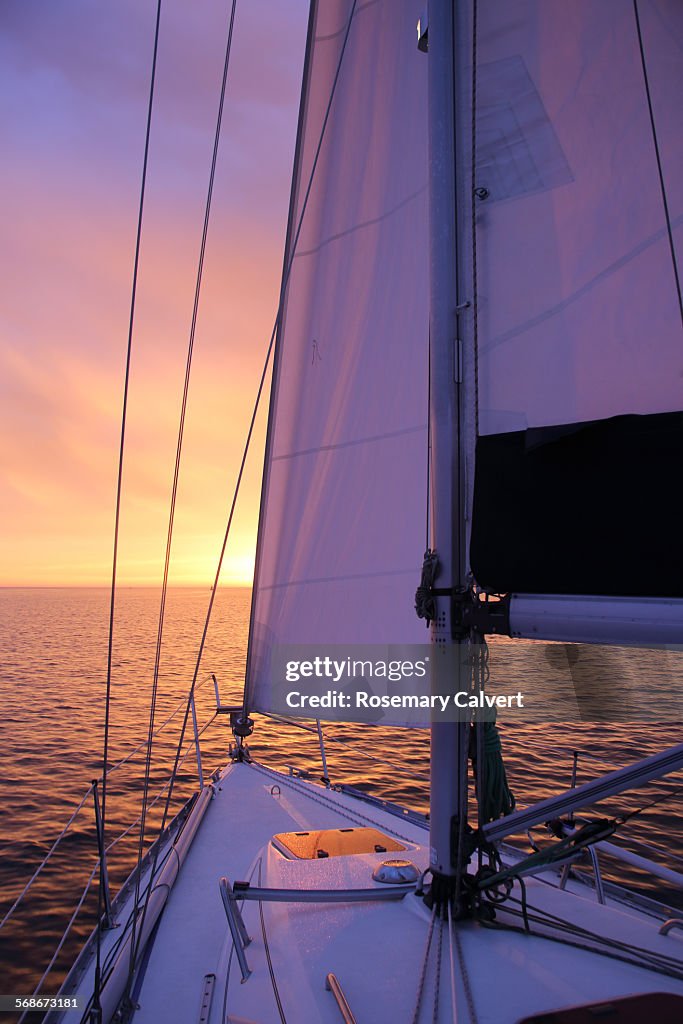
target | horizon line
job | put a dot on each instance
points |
(122, 586)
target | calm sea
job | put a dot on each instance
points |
(52, 668)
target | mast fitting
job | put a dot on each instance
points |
(470, 610)
(474, 612)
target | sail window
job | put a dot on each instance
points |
(518, 152)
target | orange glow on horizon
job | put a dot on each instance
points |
(71, 163)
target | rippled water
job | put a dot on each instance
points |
(52, 666)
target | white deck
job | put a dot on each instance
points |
(375, 950)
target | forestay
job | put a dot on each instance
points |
(343, 517)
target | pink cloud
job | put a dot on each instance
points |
(72, 114)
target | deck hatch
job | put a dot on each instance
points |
(334, 842)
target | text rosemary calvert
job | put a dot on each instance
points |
(394, 671)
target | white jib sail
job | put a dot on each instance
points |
(343, 524)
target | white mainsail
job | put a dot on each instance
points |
(343, 519)
(579, 147)
(578, 309)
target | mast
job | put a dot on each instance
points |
(449, 295)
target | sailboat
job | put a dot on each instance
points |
(478, 347)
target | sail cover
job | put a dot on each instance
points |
(343, 516)
(579, 150)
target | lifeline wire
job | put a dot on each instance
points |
(117, 517)
(247, 445)
(176, 471)
(47, 856)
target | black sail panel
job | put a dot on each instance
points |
(583, 508)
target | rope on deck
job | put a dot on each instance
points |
(423, 972)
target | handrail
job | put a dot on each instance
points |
(634, 859)
(247, 891)
(333, 986)
(656, 850)
(612, 784)
(673, 922)
(626, 857)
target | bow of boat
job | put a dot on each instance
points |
(323, 938)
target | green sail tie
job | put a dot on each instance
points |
(497, 798)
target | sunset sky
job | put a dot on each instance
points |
(73, 96)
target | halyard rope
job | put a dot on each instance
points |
(467, 986)
(437, 979)
(454, 1003)
(423, 972)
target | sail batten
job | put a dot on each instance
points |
(350, 577)
(420, 429)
